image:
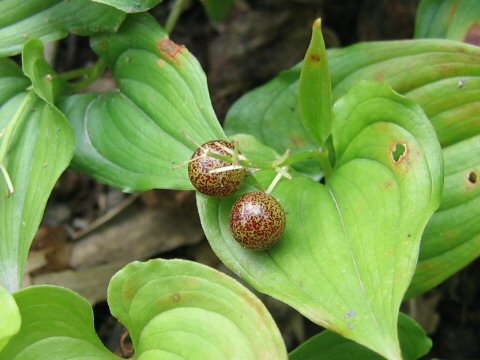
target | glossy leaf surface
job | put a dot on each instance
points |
(350, 247)
(132, 138)
(39, 149)
(51, 20)
(57, 324)
(315, 92)
(181, 309)
(131, 6)
(442, 76)
(9, 317)
(450, 19)
(330, 346)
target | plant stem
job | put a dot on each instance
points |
(8, 138)
(325, 162)
(301, 156)
(174, 15)
(91, 74)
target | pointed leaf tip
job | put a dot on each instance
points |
(315, 92)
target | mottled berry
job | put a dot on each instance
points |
(257, 220)
(214, 184)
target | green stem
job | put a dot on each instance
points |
(178, 8)
(321, 155)
(91, 74)
(302, 156)
(325, 162)
(9, 134)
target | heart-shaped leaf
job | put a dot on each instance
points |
(450, 19)
(51, 20)
(413, 341)
(9, 317)
(315, 92)
(131, 6)
(36, 146)
(445, 81)
(57, 324)
(185, 309)
(132, 138)
(350, 248)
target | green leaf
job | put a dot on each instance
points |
(181, 309)
(217, 10)
(9, 317)
(57, 324)
(36, 146)
(132, 138)
(413, 341)
(450, 19)
(45, 81)
(452, 237)
(12, 79)
(349, 249)
(315, 92)
(131, 6)
(51, 20)
(442, 76)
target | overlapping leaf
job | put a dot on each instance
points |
(36, 146)
(350, 247)
(171, 308)
(132, 138)
(450, 19)
(45, 81)
(442, 76)
(57, 324)
(9, 317)
(330, 346)
(452, 237)
(51, 20)
(131, 6)
(181, 309)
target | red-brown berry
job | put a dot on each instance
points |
(221, 183)
(257, 220)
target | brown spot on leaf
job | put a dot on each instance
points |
(472, 179)
(161, 62)
(473, 35)
(170, 49)
(314, 57)
(398, 152)
(379, 76)
(389, 184)
(298, 141)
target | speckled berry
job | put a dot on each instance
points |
(257, 220)
(214, 184)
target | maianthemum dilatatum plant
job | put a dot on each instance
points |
(355, 175)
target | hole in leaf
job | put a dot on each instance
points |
(472, 177)
(398, 152)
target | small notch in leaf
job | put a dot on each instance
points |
(472, 178)
(399, 152)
